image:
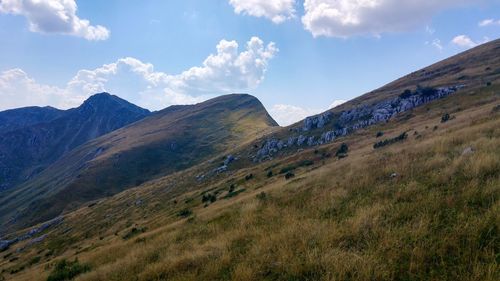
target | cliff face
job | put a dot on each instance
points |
(327, 127)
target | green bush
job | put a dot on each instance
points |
(342, 151)
(385, 142)
(67, 270)
(269, 174)
(209, 198)
(445, 118)
(184, 213)
(134, 232)
(289, 175)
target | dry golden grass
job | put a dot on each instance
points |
(348, 219)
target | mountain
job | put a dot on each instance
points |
(401, 183)
(165, 142)
(36, 137)
(14, 119)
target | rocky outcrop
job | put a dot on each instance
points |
(5, 244)
(349, 121)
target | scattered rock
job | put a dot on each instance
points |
(468, 151)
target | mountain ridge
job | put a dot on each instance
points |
(27, 150)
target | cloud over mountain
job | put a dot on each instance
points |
(277, 11)
(228, 70)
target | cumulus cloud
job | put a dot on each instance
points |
(228, 70)
(54, 16)
(465, 41)
(345, 18)
(286, 114)
(489, 22)
(277, 11)
(337, 103)
(17, 89)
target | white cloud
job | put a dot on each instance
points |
(54, 16)
(337, 103)
(465, 41)
(489, 22)
(286, 114)
(229, 70)
(345, 18)
(276, 10)
(436, 43)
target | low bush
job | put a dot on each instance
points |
(445, 118)
(184, 213)
(67, 270)
(342, 151)
(209, 198)
(134, 232)
(386, 142)
(289, 175)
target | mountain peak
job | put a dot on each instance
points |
(105, 102)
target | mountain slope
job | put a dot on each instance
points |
(26, 151)
(167, 141)
(14, 119)
(424, 207)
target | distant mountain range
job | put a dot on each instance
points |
(164, 142)
(32, 138)
(53, 161)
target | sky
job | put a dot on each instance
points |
(299, 57)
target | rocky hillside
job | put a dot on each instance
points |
(165, 142)
(403, 186)
(36, 137)
(478, 67)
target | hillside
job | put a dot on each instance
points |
(37, 137)
(169, 140)
(14, 119)
(414, 194)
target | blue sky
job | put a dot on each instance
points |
(302, 56)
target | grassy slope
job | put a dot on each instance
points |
(336, 220)
(171, 140)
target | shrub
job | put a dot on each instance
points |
(209, 198)
(406, 94)
(249, 177)
(231, 188)
(134, 232)
(385, 142)
(67, 270)
(488, 84)
(342, 151)
(269, 174)
(445, 118)
(294, 166)
(289, 175)
(184, 213)
(379, 134)
(261, 196)
(426, 91)
(234, 193)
